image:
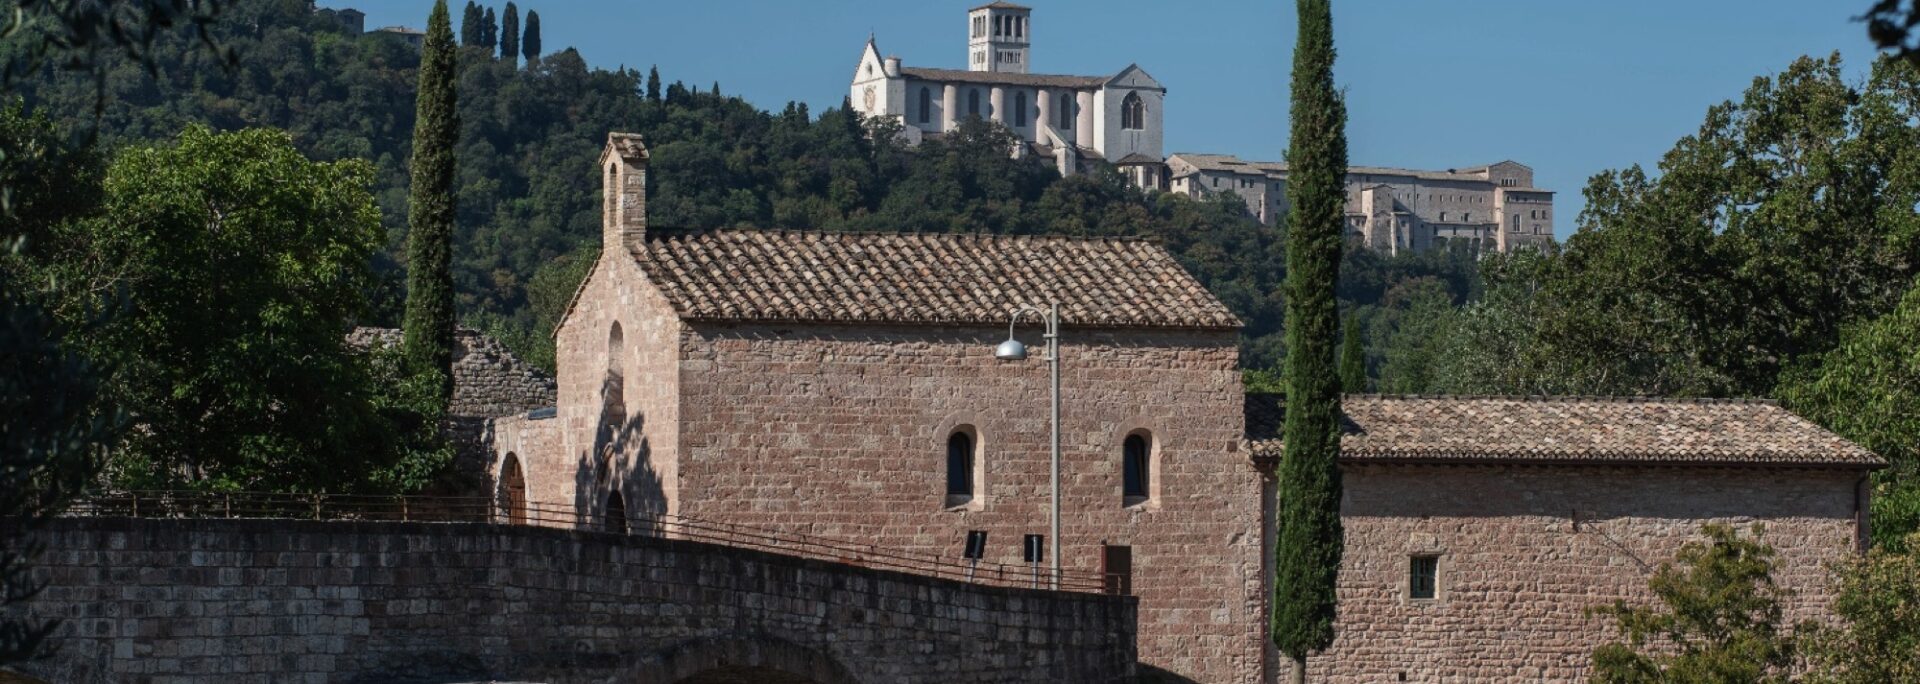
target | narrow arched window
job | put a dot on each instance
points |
(616, 513)
(1136, 469)
(1133, 112)
(613, 399)
(1020, 109)
(926, 104)
(960, 468)
(1066, 111)
(973, 103)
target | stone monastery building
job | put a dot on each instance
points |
(846, 386)
(1490, 208)
(1073, 120)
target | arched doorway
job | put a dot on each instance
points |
(513, 491)
(616, 514)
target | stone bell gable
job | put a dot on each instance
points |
(1480, 529)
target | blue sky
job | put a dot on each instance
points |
(1569, 87)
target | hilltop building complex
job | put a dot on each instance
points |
(1119, 119)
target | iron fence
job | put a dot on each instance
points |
(487, 510)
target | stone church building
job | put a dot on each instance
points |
(1072, 120)
(845, 385)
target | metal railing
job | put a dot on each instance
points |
(487, 510)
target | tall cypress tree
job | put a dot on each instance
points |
(470, 25)
(510, 35)
(530, 45)
(653, 83)
(1353, 359)
(489, 31)
(436, 129)
(1307, 550)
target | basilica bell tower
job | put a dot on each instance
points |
(998, 38)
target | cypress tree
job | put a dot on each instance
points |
(1307, 549)
(489, 31)
(429, 317)
(470, 25)
(530, 45)
(1353, 359)
(653, 84)
(510, 35)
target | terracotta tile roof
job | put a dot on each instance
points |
(1004, 78)
(924, 278)
(1438, 429)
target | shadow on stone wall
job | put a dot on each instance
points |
(600, 471)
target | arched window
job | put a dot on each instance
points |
(513, 491)
(1066, 111)
(961, 463)
(613, 406)
(616, 513)
(926, 104)
(1136, 455)
(1516, 223)
(1020, 109)
(1133, 112)
(973, 103)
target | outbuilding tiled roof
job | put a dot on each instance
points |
(1567, 430)
(924, 278)
(1004, 78)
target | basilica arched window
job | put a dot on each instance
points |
(926, 104)
(1020, 109)
(1133, 113)
(613, 395)
(1136, 468)
(963, 467)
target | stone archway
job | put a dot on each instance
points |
(759, 659)
(513, 491)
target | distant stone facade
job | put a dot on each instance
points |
(1493, 208)
(488, 380)
(272, 601)
(1072, 120)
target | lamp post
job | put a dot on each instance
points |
(1013, 350)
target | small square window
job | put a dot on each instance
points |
(1423, 576)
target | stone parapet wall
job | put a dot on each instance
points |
(1524, 550)
(295, 601)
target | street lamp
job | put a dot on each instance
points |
(1013, 350)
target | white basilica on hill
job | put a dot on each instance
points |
(1071, 119)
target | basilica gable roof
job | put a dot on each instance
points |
(924, 278)
(1567, 430)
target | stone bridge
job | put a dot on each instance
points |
(304, 601)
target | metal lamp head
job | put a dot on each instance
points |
(1010, 350)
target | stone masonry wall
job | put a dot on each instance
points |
(841, 431)
(299, 601)
(1524, 550)
(488, 380)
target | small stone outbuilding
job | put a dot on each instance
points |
(1479, 529)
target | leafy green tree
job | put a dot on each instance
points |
(242, 263)
(510, 35)
(653, 84)
(1353, 357)
(1717, 620)
(530, 45)
(54, 421)
(1878, 603)
(430, 316)
(1308, 545)
(1865, 390)
(1893, 25)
